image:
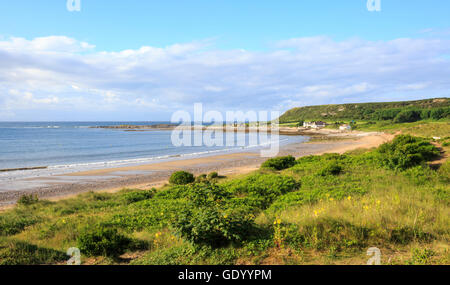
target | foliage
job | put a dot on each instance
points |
(430, 108)
(279, 163)
(15, 222)
(181, 178)
(103, 241)
(305, 214)
(27, 200)
(213, 227)
(205, 194)
(407, 116)
(406, 151)
(136, 196)
(19, 253)
(421, 256)
(260, 190)
(331, 168)
(213, 175)
(201, 178)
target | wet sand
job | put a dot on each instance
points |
(157, 174)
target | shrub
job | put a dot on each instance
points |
(213, 175)
(205, 194)
(407, 116)
(102, 241)
(27, 199)
(437, 114)
(331, 168)
(406, 151)
(279, 163)
(213, 227)
(181, 178)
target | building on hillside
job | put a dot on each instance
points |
(314, 125)
(345, 127)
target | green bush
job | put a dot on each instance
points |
(407, 116)
(213, 175)
(406, 151)
(331, 168)
(279, 163)
(27, 199)
(213, 227)
(439, 113)
(103, 241)
(205, 194)
(181, 178)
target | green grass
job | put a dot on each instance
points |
(309, 213)
(361, 111)
(427, 129)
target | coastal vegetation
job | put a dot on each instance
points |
(325, 209)
(181, 178)
(397, 112)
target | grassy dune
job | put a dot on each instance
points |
(325, 209)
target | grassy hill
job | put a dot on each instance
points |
(424, 109)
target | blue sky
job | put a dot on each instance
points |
(142, 60)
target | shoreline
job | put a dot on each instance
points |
(228, 128)
(147, 176)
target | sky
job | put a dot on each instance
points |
(144, 60)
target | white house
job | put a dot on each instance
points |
(314, 125)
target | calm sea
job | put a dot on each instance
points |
(77, 146)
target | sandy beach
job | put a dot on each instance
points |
(157, 174)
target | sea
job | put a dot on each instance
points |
(64, 147)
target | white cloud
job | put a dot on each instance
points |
(65, 74)
(52, 44)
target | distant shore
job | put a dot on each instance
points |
(156, 174)
(227, 128)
